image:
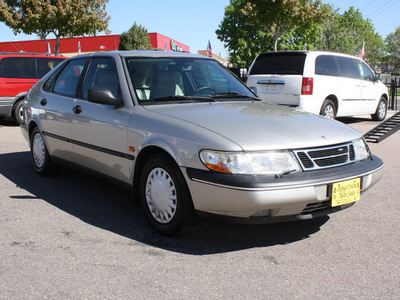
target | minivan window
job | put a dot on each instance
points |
(365, 72)
(347, 67)
(18, 67)
(279, 63)
(326, 65)
(44, 65)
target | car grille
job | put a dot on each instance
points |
(313, 207)
(326, 157)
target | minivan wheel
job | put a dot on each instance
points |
(18, 111)
(39, 154)
(381, 111)
(328, 109)
(164, 195)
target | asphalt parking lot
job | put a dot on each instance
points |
(74, 236)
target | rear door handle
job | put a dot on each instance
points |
(43, 102)
(77, 109)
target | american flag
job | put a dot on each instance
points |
(209, 50)
(362, 51)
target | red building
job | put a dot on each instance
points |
(71, 47)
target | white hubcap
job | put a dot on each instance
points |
(382, 110)
(161, 195)
(38, 150)
(329, 112)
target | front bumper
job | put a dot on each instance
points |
(264, 198)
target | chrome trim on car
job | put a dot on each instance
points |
(325, 157)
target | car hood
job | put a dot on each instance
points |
(259, 125)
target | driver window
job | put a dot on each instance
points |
(102, 74)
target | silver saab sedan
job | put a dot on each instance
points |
(191, 139)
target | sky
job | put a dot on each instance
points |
(194, 23)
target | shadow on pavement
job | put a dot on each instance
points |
(8, 122)
(109, 206)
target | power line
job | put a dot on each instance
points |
(383, 8)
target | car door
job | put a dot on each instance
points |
(369, 89)
(350, 86)
(99, 131)
(56, 103)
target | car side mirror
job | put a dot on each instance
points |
(103, 96)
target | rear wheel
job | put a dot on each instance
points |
(164, 195)
(381, 111)
(40, 156)
(328, 109)
(18, 111)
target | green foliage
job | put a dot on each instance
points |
(63, 18)
(136, 38)
(283, 16)
(345, 33)
(243, 39)
(392, 43)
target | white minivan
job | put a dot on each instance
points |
(325, 83)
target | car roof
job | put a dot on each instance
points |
(311, 52)
(144, 53)
(27, 54)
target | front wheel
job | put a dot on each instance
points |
(328, 109)
(381, 111)
(40, 156)
(164, 195)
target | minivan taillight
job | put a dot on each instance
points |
(307, 86)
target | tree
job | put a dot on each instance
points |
(242, 37)
(281, 16)
(345, 33)
(136, 38)
(63, 18)
(392, 43)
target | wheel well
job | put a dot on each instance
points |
(31, 127)
(334, 100)
(141, 159)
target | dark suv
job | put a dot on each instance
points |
(18, 73)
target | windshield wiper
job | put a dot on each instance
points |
(231, 95)
(179, 99)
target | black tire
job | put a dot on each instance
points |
(328, 109)
(39, 154)
(381, 110)
(165, 196)
(17, 111)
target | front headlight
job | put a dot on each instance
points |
(361, 150)
(276, 163)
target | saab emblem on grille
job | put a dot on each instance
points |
(340, 149)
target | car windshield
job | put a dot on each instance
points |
(163, 80)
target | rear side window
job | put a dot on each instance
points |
(18, 67)
(326, 65)
(347, 67)
(279, 63)
(68, 80)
